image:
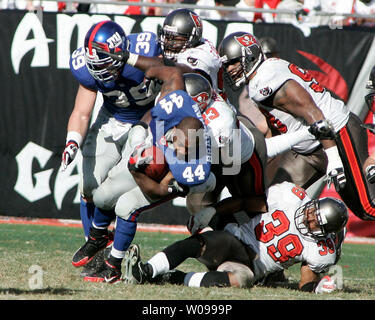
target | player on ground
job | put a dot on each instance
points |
(292, 99)
(104, 145)
(294, 230)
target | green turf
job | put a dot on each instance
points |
(51, 249)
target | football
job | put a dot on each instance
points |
(157, 168)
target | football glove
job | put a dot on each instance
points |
(137, 162)
(177, 188)
(119, 55)
(335, 169)
(337, 177)
(370, 173)
(138, 134)
(322, 130)
(326, 285)
(69, 154)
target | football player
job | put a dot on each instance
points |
(294, 230)
(291, 99)
(104, 144)
(182, 42)
(188, 157)
(241, 151)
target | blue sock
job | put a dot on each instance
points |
(103, 218)
(86, 210)
(124, 235)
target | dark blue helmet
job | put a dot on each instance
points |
(112, 38)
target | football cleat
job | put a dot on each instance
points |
(98, 239)
(97, 264)
(110, 274)
(135, 272)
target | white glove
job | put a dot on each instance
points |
(201, 220)
(177, 188)
(322, 129)
(335, 169)
(370, 173)
(137, 161)
(138, 133)
(69, 154)
(326, 285)
(73, 141)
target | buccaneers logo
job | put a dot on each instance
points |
(197, 20)
(192, 61)
(246, 40)
(265, 91)
(201, 98)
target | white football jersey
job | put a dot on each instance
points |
(275, 238)
(225, 130)
(204, 57)
(271, 75)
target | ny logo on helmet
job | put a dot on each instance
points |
(246, 40)
(114, 41)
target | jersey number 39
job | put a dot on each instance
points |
(288, 246)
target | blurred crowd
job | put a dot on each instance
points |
(305, 11)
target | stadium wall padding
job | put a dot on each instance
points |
(38, 92)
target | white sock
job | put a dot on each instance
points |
(96, 227)
(193, 279)
(117, 253)
(159, 263)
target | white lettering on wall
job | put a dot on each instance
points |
(21, 44)
(67, 25)
(34, 191)
(25, 185)
(66, 181)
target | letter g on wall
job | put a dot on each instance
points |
(36, 186)
(24, 184)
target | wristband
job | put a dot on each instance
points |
(333, 156)
(132, 60)
(74, 136)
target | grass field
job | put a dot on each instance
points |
(50, 249)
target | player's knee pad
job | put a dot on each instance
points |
(243, 274)
(103, 198)
(128, 203)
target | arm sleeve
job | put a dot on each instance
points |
(284, 142)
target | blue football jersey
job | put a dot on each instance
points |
(126, 98)
(168, 113)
